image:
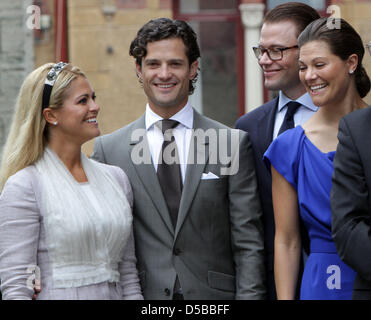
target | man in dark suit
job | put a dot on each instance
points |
(277, 55)
(197, 219)
(351, 198)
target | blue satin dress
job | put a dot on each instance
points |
(309, 171)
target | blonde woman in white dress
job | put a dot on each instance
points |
(63, 217)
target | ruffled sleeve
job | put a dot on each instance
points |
(283, 154)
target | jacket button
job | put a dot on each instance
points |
(177, 251)
(167, 291)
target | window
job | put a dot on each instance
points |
(219, 89)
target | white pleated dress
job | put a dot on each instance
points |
(24, 245)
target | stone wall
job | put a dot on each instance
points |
(16, 57)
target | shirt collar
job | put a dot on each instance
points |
(184, 117)
(304, 100)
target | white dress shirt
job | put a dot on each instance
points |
(304, 112)
(182, 134)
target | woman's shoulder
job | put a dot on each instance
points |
(23, 186)
(285, 149)
(23, 177)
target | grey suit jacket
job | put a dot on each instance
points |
(217, 247)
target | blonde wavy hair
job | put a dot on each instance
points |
(28, 133)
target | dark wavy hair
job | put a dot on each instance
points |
(164, 28)
(299, 13)
(343, 42)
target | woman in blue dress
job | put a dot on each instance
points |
(301, 162)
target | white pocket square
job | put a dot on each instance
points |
(209, 176)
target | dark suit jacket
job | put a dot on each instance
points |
(351, 200)
(217, 247)
(259, 123)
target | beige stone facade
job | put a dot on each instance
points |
(358, 14)
(99, 44)
(16, 58)
(99, 35)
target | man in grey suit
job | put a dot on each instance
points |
(197, 219)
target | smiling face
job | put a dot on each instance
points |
(325, 76)
(283, 74)
(77, 117)
(165, 73)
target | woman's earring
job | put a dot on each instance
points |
(55, 123)
(351, 71)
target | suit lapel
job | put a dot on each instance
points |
(266, 126)
(147, 175)
(194, 171)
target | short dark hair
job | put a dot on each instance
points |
(297, 12)
(164, 28)
(343, 42)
